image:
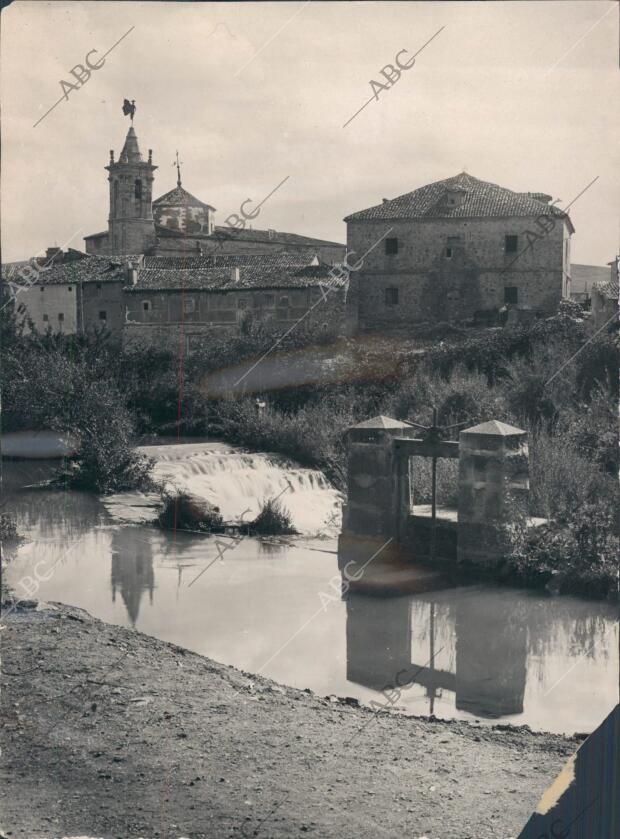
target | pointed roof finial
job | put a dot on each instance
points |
(178, 165)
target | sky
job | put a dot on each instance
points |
(522, 94)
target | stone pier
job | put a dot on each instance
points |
(493, 490)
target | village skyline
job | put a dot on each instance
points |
(430, 123)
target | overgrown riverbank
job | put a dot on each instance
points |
(108, 732)
(553, 379)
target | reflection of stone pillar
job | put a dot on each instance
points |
(371, 478)
(378, 639)
(493, 489)
(491, 656)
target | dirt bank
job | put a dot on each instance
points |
(107, 732)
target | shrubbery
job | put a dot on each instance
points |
(272, 520)
(183, 511)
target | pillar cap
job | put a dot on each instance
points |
(381, 422)
(494, 428)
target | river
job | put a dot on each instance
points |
(482, 651)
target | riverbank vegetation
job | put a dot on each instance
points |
(552, 379)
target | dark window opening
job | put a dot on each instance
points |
(45, 318)
(98, 286)
(391, 246)
(138, 189)
(103, 315)
(449, 253)
(391, 297)
(70, 288)
(511, 294)
(61, 316)
(146, 305)
(511, 244)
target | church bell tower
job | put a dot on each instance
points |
(131, 229)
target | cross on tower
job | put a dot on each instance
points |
(177, 163)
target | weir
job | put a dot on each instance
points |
(492, 491)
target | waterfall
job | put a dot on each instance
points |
(235, 481)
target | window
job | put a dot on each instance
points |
(283, 301)
(189, 305)
(42, 289)
(449, 253)
(511, 294)
(61, 316)
(45, 318)
(391, 246)
(70, 288)
(146, 305)
(391, 297)
(138, 189)
(103, 315)
(242, 303)
(511, 244)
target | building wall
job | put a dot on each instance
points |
(43, 304)
(207, 312)
(435, 286)
(96, 245)
(189, 220)
(99, 298)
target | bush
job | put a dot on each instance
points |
(579, 557)
(8, 529)
(184, 511)
(106, 461)
(272, 520)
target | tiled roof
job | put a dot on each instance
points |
(271, 236)
(279, 259)
(583, 277)
(179, 197)
(233, 234)
(253, 274)
(88, 269)
(481, 199)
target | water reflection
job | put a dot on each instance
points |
(132, 570)
(461, 651)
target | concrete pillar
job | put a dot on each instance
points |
(493, 489)
(372, 482)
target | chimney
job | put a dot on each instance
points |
(234, 275)
(132, 273)
(52, 253)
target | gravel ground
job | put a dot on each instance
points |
(107, 732)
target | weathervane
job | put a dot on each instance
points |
(129, 108)
(178, 165)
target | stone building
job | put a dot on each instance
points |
(70, 292)
(178, 223)
(174, 301)
(456, 249)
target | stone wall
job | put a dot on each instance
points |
(98, 299)
(438, 277)
(50, 306)
(155, 318)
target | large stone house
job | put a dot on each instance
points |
(456, 249)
